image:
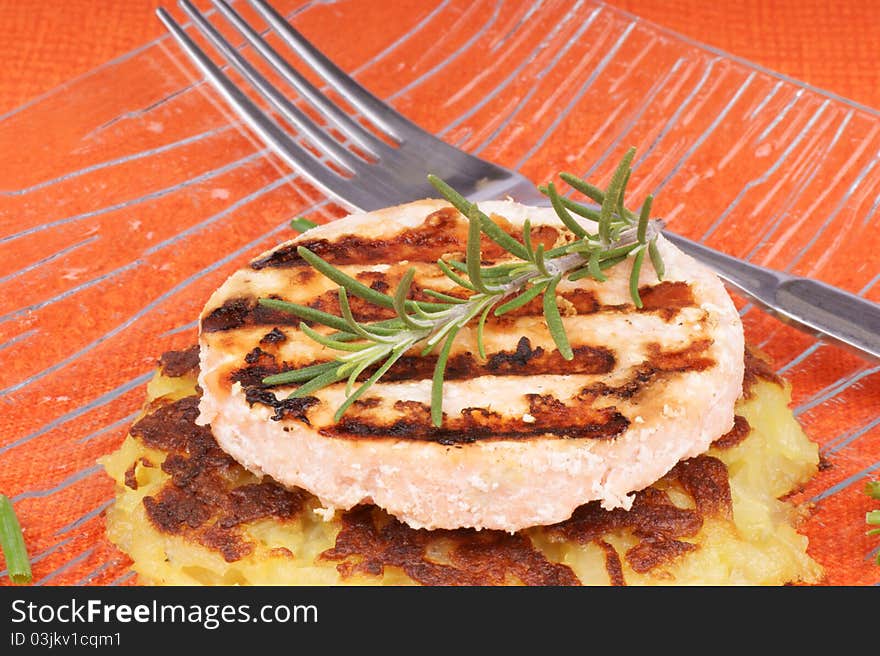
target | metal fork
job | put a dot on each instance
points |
(366, 172)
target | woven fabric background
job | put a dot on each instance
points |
(832, 45)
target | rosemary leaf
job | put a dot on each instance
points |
(613, 261)
(299, 375)
(474, 257)
(621, 210)
(634, 278)
(444, 297)
(380, 328)
(588, 190)
(603, 265)
(352, 285)
(356, 371)
(454, 277)
(356, 287)
(437, 379)
(588, 248)
(594, 266)
(350, 321)
(644, 217)
(503, 270)
(329, 342)
(609, 204)
(458, 266)
(481, 346)
(619, 251)
(554, 320)
(400, 295)
(577, 208)
(527, 239)
(656, 260)
(493, 230)
(498, 271)
(351, 398)
(318, 382)
(578, 274)
(306, 313)
(522, 299)
(540, 261)
(347, 366)
(567, 248)
(563, 214)
(301, 224)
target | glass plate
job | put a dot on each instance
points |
(129, 194)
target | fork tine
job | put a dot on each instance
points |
(267, 129)
(345, 158)
(369, 105)
(357, 133)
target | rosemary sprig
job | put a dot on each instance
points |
(301, 224)
(618, 234)
(872, 517)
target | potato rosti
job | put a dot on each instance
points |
(187, 513)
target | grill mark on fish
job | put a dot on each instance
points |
(665, 299)
(274, 336)
(689, 358)
(370, 541)
(257, 355)
(659, 364)
(524, 361)
(295, 409)
(411, 420)
(442, 232)
(551, 417)
(245, 311)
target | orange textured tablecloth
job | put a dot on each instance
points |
(832, 45)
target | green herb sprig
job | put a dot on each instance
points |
(872, 517)
(532, 272)
(301, 224)
(12, 542)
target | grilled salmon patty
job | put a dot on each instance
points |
(527, 436)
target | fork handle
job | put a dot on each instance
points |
(822, 310)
